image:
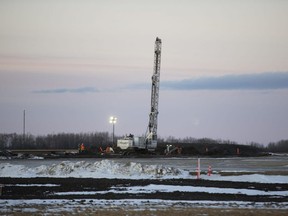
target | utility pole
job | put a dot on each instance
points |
(24, 126)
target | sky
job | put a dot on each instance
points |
(71, 64)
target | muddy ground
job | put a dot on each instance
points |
(90, 204)
(28, 188)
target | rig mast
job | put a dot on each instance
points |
(151, 134)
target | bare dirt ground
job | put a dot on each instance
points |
(161, 212)
(55, 189)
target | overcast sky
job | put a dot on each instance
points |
(71, 64)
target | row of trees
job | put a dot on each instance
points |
(281, 146)
(104, 139)
(54, 141)
(172, 139)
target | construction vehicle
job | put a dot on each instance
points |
(149, 141)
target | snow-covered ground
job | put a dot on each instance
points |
(132, 170)
(261, 170)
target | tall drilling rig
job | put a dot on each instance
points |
(151, 134)
(149, 142)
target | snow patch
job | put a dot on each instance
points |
(260, 178)
(154, 188)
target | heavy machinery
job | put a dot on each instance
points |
(149, 142)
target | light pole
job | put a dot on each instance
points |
(113, 121)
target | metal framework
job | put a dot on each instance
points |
(151, 134)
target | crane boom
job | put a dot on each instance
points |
(151, 134)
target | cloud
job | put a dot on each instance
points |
(261, 81)
(67, 90)
(138, 86)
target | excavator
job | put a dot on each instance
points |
(148, 143)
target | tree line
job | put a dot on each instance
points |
(280, 146)
(104, 139)
(54, 141)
